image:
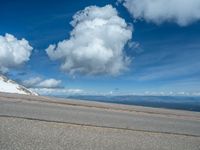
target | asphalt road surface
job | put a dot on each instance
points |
(29, 123)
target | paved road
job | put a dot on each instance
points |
(133, 128)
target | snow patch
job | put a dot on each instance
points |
(10, 86)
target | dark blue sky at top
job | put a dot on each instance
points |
(168, 58)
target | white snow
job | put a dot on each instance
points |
(10, 86)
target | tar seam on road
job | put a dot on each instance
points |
(101, 107)
(105, 127)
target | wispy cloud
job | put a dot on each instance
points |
(38, 82)
(58, 91)
(167, 63)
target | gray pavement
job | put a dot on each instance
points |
(43, 123)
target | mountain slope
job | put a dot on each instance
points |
(10, 86)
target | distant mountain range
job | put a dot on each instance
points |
(10, 86)
(172, 102)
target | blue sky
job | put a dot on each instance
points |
(165, 56)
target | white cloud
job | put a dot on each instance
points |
(96, 43)
(50, 87)
(57, 91)
(49, 83)
(32, 82)
(13, 52)
(40, 83)
(182, 12)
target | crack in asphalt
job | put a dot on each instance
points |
(96, 126)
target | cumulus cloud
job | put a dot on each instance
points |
(50, 87)
(96, 43)
(49, 83)
(13, 52)
(182, 12)
(38, 82)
